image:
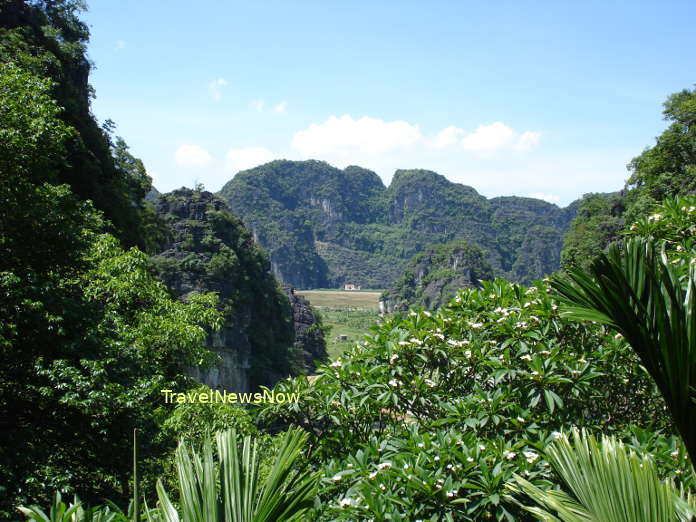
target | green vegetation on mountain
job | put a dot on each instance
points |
(324, 227)
(47, 39)
(209, 250)
(433, 277)
(666, 169)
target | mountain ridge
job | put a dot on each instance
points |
(324, 227)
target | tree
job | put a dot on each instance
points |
(88, 336)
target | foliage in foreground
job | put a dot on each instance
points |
(604, 482)
(234, 491)
(650, 298)
(435, 412)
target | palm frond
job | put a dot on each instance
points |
(634, 289)
(603, 482)
(285, 494)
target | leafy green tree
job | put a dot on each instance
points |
(88, 336)
(47, 39)
(665, 170)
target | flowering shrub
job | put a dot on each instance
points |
(432, 414)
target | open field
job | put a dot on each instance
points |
(368, 300)
(347, 313)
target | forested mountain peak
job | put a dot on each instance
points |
(325, 226)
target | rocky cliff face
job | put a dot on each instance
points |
(324, 227)
(208, 249)
(432, 277)
(309, 336)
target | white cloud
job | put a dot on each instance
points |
(120, 44)
(258, 105)
(487, 139)
(281, 108)
(551, 198)
(527, 140)
(246, 158)
(216, 87)
(447, 136)
(192, 156)
(342, 140)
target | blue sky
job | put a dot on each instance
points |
(550, 99)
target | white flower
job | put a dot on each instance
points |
(384, 465)
(526, 357)
(510, 455)
(345, 502)
(427, 314)
(675, 454)
(530, 455)
(618, 336)
(531, 290)
(535, 373)
(382, 487)
(372, 475)
(520, 419)
(421, 445)
(439, 336)
(450, 493)
(655, 217)
(416, 341)
(527, 305)
(337, 363)
(429, 383)
(437, 457)
(469, 459)
(449, 466)
(475, 325)
(336, 478)
(412, 314)
(492, 296)
(393, 383)
(393, 358)
(404, 343)
(482, 447)
(554, 307)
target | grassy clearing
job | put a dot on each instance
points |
(349, 314)
(368, 300)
